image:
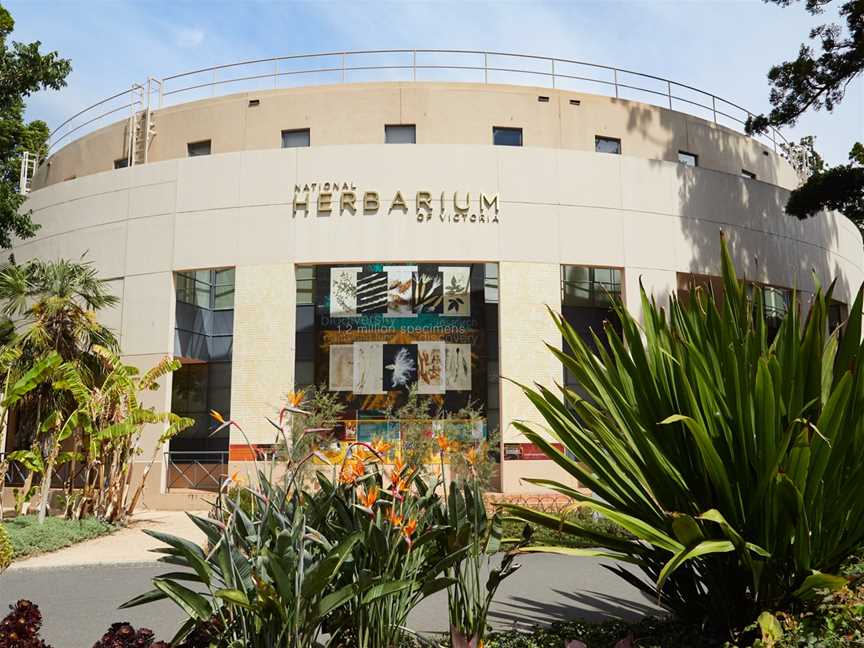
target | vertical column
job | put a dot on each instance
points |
(147, 336)
(263, 354)
(525, 325)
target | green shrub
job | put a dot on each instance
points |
(735, 461)
(350, 558)
(6, 550)
(29, 537)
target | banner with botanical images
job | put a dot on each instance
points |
(382, 330)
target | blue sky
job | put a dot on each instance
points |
(723, 46)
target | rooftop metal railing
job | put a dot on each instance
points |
(409, 65)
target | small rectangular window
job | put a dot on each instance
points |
(688, 159)
(194, 149)
(506, 136)
(296, 138)
(748, 174)
(122, 163)
(400, 134)
(607, 145)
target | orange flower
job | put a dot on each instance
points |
(401, 486)
(396, 472)
(471, 456)
(370, 497)
(295, 398)
(381, 447)
(445, 444)
(395, 520)
(408, 529)
(361, 453)
(352, 470)
(216, 416)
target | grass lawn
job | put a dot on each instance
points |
(30, 538)
(544, 536)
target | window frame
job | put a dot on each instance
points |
(296, 131)
(507, 130)
(394, 128)
(190, 145)
(605, 138)
(188, 294)
(694, 156)
(594, 303)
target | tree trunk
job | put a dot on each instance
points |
(138, 491)
(23, 502)
(46, 479)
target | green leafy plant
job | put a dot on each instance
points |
(478, 538)
(733, 460)
(398, 561)
(6, 550)
(29, 537)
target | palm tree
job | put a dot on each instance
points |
(52, 306)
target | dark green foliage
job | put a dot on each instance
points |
(815, 80)
(29, 537)
(23, 71)
(736, 464)
(838, 188)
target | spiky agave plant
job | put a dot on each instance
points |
(735, 461)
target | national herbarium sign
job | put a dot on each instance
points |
(341, 198)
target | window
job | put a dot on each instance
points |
(748, 174)
(122, 163)
(506, 136)
(210, 289)
(583, 286)
(490, 285)
(688, 159)
(690, 283)
(588, 296)
(194, 149)
(400, 134)
(607, 145)
(305, 284)
(837, 314)
(295, 138)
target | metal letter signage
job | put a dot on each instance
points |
(334, 199)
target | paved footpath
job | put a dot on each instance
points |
(78, 589)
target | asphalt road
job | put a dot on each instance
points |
(79, 603)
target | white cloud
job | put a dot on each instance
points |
(189, 37)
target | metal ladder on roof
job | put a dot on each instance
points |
(142, 121)
(29, 164)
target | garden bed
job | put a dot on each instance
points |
(30, 538)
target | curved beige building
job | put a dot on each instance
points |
(282, 237)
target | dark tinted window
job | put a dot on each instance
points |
(295, 138)
(506, 136)
(400, 134)
(194, 149)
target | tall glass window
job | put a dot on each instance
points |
(203, 341)
(588, 296)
